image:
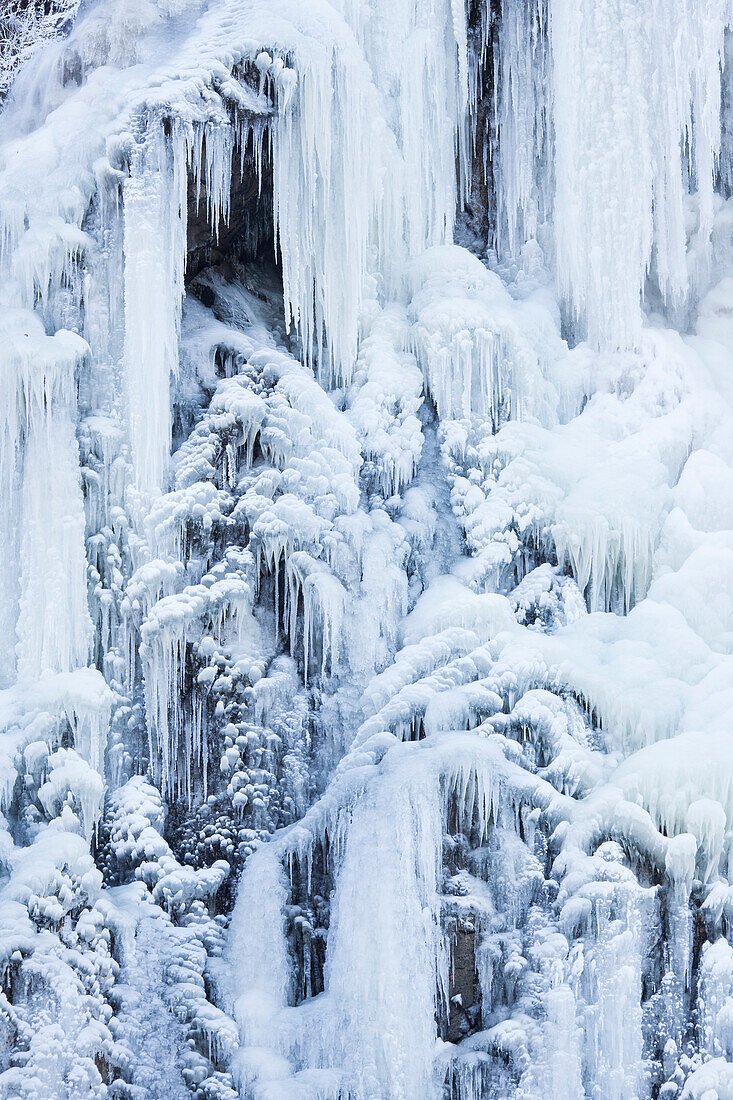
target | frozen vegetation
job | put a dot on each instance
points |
(366, 550)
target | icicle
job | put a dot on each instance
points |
(54, 626)
(559, 1073)
(613, 221)
(716, 1000)
(386, 883)
(324, 598)
(155, 251)
(170, 625)
(473, 356)
(603, 219)
(613, 1036)
(319, 161)
(38, 390)
(522, 162)
(88, 703)
(335, 217)
(71, 775)
(257, 986)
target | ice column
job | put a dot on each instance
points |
(603, 164)
(521, 161)
(636, 97)
(365, 176)
(381, 979)
(43, 556)
(54, 625)
(418, 54)
(155, 252)
(613, 1035)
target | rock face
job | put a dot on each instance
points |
(247, 236)
(463, 985)
(365, 550)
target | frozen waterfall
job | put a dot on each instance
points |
(366, 550)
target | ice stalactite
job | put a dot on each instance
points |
(664, 128)
(557, 67)
(589, 212)
(562, 1065)
(323, 109)
(473, 355)
(613, 1032)
(387, 397)
(46, 566)
(419, 59)
(220, 603)
(337, 218)
(394, 831)
(155, 204)
(523, 126)
(154, 243)
(54, 627)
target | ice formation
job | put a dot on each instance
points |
(366, 459)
